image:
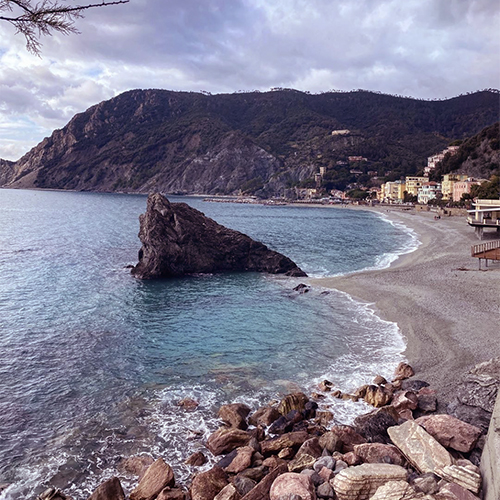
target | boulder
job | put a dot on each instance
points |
(340, 438)
(373, 426)
(404, 400)
(207, 485)
(325, 490)
(262, 490)
(229, 492)
(362, 481)
(394, 490)
(235, 415)
(310, 447)
(171, 494)
(243, 484)
(379, 380)
(419, 447)
(427, 400)
(158, 476)
(378, 453)
(322, 462)
(413, 385)
(298, 464)
(288, 440)
(403, 370)
(109, 490)
(241, 461)
(188, 404)
(451, 432)
(468, 477)
(264, 416)
(325, 386)
(137, 466)
(377, 396)
(296, 401)
(452, 491)
(225, 440)
(178, 240)
(292, 484)
(196, 459)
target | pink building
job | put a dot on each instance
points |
(462, 187)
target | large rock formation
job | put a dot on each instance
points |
(178, 240)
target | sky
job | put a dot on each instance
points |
(431, 49)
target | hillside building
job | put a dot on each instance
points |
(413, 184)
(448, 182)
(432, 161)
(463, 187)
(428, 191)
(392, 192)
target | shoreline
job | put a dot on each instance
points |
(445, 307)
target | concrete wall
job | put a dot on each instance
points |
(490, 459)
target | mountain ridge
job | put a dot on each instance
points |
(259, 143)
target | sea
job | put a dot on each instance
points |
(94, 363)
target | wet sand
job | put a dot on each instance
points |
(447, 309)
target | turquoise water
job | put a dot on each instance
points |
(93, 361)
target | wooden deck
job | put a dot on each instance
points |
(487, 251)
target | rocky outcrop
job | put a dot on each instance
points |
(109, 490)
(178, 240)
(158, 476)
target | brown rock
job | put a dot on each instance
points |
(323, 417)
(288, 440)
(326, 474)
(310, 447)
(158, 476)
(188, 404)
(243, 484)
(379, 380)
(171, 494)
(337, 394)
(235, 415)
(362, 481)
(229, 492)
(453, 491)
(468, 477)
(299, 463)
(377, 396)
(264, 416)
(225, 440)
(292, 484)
(427, 400)
(137, 466)
(296, 401)
(426, 484)
(451, 432)
(196, 459)
(206, 485)
(261, 491)
(325, 386)
(109, 490)
(406, 414)
(404, 400)
(394, 490)
(286, 453)
(351, 458)
(241, 461)
(361, 391)
(378, 453)
(274, 461)
(403, 371)
(346, 438)
(373, 426)
(419, 447)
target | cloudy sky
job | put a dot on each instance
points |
(421, 48)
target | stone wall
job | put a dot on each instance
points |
(490, 460)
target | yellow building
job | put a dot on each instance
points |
(414, 183)
(448, 183)
(392, 191)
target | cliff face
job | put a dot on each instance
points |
(156, 140)
(7, 172)
(178, 239)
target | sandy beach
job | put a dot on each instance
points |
(446, 308)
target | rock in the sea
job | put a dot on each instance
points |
(196, 459)
(419, 447)
(292, 483)
(178, 240)
(403, 371)
(109, 490)
(136, 466)
(207, 485)
(265, 415)
(235, 415)
(296, 401)
(362, 481)
(377, 396)
(288, 440)
(158, 476)
(225, 440)
(451, 432)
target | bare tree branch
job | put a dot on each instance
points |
(34, 20)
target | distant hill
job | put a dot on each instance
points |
(263, 143)
(478, 156)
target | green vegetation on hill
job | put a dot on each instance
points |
(262, 143)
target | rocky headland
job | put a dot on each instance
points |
(293, 450)
(178, 240)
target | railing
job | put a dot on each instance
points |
(485, 222)
(484, 247)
